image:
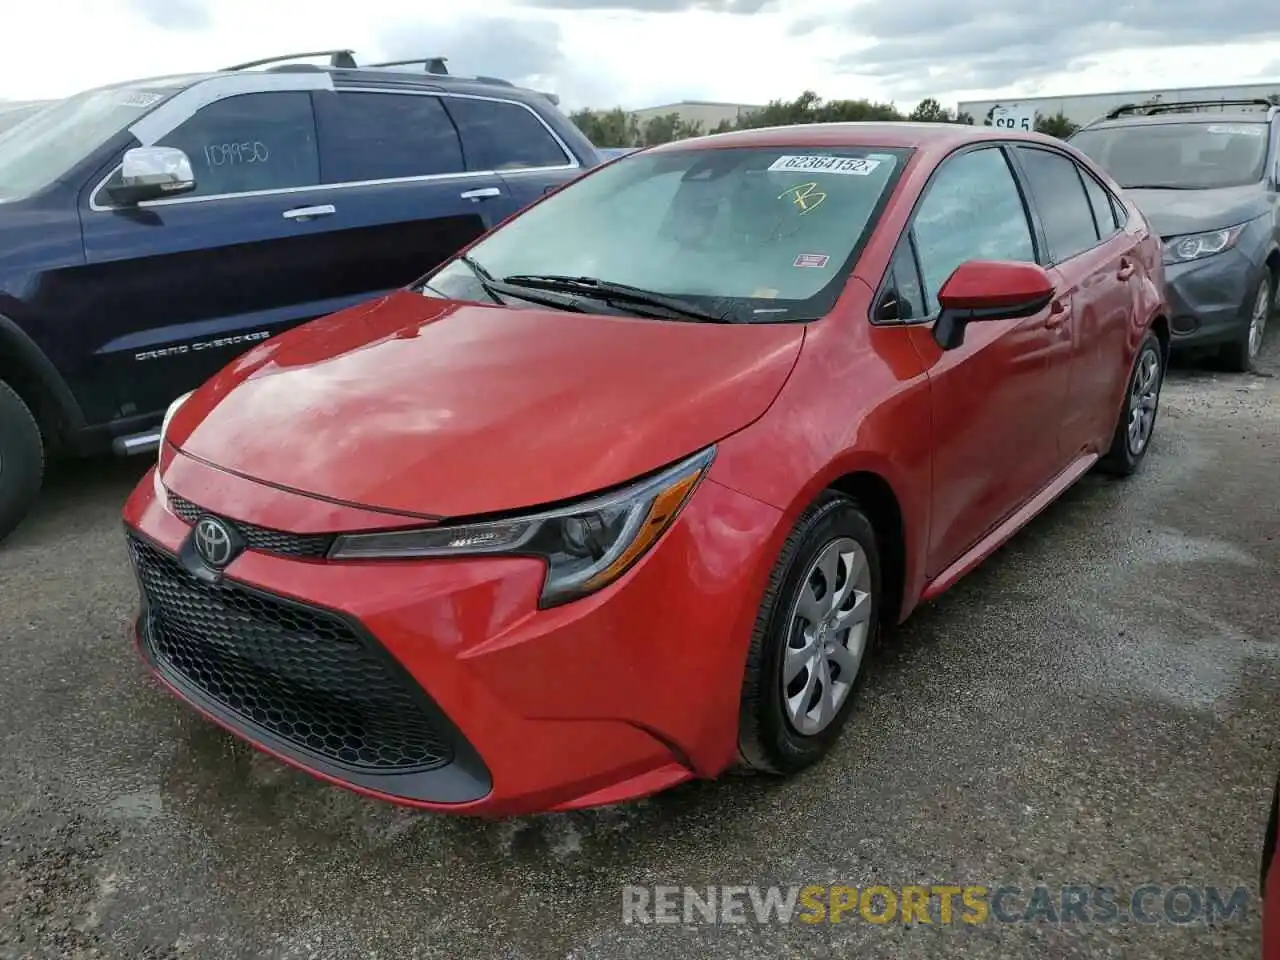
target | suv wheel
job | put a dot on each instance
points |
(818, 622)
(1240, 354)
(21, 459)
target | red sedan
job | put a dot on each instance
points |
(623, 495)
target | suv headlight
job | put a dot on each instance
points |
(586, 546)
(168, 414)
(1197, 246)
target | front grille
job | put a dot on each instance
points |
(301, 546)
(302, 674)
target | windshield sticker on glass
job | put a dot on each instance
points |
(818, 260)
(846, 166)
(805, 196)
(764, 293)
(1241, 130)
(138, 98)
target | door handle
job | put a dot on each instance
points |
(308, 213)
(1126, 269)
(1059, 310)
(481, 193)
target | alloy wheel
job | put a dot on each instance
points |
(1144, 397)
(829, 626)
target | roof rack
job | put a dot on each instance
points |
(431, 64)
(1184, 106)
(343, 59)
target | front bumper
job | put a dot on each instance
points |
(439, 684)
(1210, 299)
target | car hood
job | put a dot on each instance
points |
(435, 408)
(1176, 212)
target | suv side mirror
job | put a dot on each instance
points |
(989, 290)
(149, 173)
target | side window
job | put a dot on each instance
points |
(904, 277)
(1104, 214)
(504, 136)
(1119, 212)
(972, 211)
(385, 136)
(1060, 197)
(254, 141)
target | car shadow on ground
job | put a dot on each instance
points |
(74, 496)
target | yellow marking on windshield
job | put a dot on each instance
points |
(806, 196)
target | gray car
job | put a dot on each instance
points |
(1206, 177)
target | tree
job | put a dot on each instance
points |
(930, 110)
(607, 128)
(666, 128)
(1058, 125)
(618, 128)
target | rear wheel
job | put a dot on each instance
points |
(1240, 354)
(1137, 420)
(819, 619)
(21, 459)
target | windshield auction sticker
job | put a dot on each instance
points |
(1243, 129)
(847, 166)
(818, 260)
(138, 98)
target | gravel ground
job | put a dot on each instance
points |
(1099, 704)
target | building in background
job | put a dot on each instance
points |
(1085, 107)
(705, 112)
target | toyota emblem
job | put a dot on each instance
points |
(213, 542)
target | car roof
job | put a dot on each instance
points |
(930, 137)
(388, 78)
(1158, 119)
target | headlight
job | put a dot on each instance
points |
(168, 414)
(1197, 246)
(586, 546)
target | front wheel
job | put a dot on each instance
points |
(1240, 354)
(21, 460)
(819, 619)
(1137, 421)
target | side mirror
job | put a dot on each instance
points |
(150, 173)
(989, 290)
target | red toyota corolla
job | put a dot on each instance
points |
(623, 495)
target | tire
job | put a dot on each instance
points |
(769, 739)
(1239, 355)
(21, 460)
(1142, 393)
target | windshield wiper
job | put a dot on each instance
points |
(617, 293)
(1158, 186)
(484, 277)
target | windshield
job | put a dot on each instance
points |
(748, 233)
(48, 143)
(11, 115)
(1197, 155)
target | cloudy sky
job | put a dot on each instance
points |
(645, 52)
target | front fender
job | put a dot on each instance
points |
(37, 371)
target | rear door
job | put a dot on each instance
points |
(406, 201)
(510, 138)
(996, 398)
(1096, 265)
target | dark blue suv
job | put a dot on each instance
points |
(151, 231)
